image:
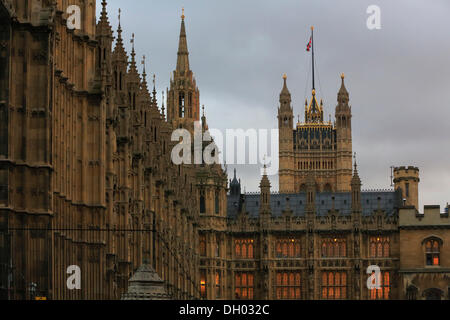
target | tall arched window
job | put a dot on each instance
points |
(217, 203)
(202, 245)
(202, 204)
(432, 252)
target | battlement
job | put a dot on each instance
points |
(431, 217)
(406, 169)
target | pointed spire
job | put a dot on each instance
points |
(144, 85)
(285, 96)
(154, 90)
(103, 26)
(235, 185)
(356, 181)
(183, 53)
(119, 50)
(133, 67)
(163, 109)
(343, 96)
(285, 91)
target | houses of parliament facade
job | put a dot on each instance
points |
(87, 180)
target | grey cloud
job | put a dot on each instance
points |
(398, 77)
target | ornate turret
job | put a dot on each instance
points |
(344, 139)
(356, 189)
(264, 186)
(183, 97)
(285, 125)
(133, 74)
(314, 112)
(119, 62)
(235, 186)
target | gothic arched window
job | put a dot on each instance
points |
(202, 240)
(432, 252)
(202, 204)
(217, 202)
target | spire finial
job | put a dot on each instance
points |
(132, 41)
(356, 166)
(120, 11)
(284, 76)
(342, 76)
(265, 165)
(154, 88)
(203, 109)
(143, 64)
(163, 109)
(182, 13)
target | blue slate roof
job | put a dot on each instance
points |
(325, 201)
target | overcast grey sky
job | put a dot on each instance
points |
(398, 77)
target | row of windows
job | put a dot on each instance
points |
(307, 165)
(379, 247)
(334, 286)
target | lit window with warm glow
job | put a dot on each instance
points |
(432, 252)
(243, 285)
(203, 284)
(244, 248)
(385, 286)
(379, 247)
(334, 285)
(334, 247)
(287, 285)
(287, 248)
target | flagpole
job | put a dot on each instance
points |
(312, 44)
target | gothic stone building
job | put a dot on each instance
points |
(86, 177)
(86, 180)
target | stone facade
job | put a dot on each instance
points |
(86, 176)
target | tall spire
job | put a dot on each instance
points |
(356, 181)
(144, 85)
(119, 49)
(133, 67)
(183, 53)
(154, 90)
(103, 26)
(163, 108)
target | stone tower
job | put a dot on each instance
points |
(407, 180)
(343, 116)
(286, 152)
(183, 96)
(315, 145)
